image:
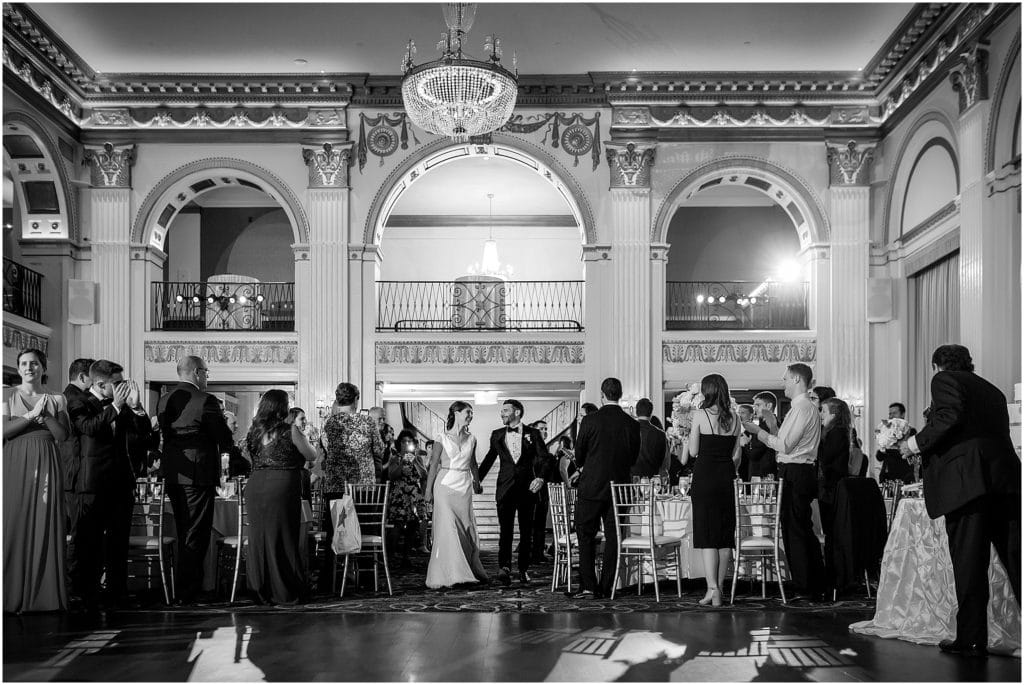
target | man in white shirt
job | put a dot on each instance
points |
(796, 447)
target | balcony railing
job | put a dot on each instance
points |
(707, 305)
(23, 291)
(223, 306)
(479, 304)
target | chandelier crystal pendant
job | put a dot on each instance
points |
(489, 264)
(457, 96)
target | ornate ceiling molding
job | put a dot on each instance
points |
(247, 352)
(742, 352)
(469, 354)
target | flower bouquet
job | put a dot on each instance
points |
(684, 405)
(889, 432)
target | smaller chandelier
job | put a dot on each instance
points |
(489, 265)
(456, 96)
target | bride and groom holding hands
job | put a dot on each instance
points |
(453, 477)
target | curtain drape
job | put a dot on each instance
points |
(935, 320)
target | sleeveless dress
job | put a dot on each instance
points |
(711, 492)
(274, 564)
(455, 557)
(33, 489)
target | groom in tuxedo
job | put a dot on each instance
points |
(521, 475)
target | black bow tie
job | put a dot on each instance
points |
(513, 430)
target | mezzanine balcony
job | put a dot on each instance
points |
(223, 306)
(739, 305)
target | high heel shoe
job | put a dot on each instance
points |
(716, 598)
(709, 597)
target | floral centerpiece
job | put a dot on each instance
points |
(889, 432)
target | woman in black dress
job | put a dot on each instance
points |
(714, 439)
(833, 462)
(273, 500)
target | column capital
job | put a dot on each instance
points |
(597, 253)
(849, 162)
(630, 163)
(969, 76)
(110, 166)
(328, 164)
(659, 252)
(364, 253)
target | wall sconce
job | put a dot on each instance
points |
(856, 405)
(323, 408)
(628, 403)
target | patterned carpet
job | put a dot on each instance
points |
(412, 595)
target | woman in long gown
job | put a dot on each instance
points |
(34, 422)
(451, 481)
(714, 439)
(273, 497)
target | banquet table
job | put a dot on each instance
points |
(916, 598)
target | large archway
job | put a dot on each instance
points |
(183, 185)
(42, 186)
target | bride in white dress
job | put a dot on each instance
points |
(451, 482)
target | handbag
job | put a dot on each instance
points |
(348, 538)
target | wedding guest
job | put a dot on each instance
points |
(353, 453)
(894, 466)
(588, 408)
(71, 449)
(654, 458)
(765, 465)
(607, 446)
(297, 417)
(274, 566)
(108, 419)
(407, 476)
(239, 461)
(746, 414)
(972, 477)
(819, 394)
(714, 437)
(796, 448)
(656, 422)
(34, 423)
(833, 462)
(567, 468)
(194, 436)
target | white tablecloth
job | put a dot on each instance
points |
(916, 595)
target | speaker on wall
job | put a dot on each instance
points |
(81, 302)
(879, 300)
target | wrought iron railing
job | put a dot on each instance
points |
(219, 306)
(23, 291)
(480, 304)
(705, 305)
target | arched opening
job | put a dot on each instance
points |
(934, 182)
(38, 181)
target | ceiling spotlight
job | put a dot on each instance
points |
(259, 298)
(721, 299)
(300, 61)
(700, 299)
(179, 299)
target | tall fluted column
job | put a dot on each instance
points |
(362, 324)
(630, 199)
(849, 164)
(321, 298)
(658, 262)
(147, 265)
(597, 293)
(986, 262)
(110, 214)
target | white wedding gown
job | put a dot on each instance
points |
(455, 557)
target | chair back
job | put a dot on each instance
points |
(892, 492)
(243, 511)
(634, 509)
(559, 507)
(571, 495)
(317, 506)
(148, 512)
(758, 509)
(371, 505)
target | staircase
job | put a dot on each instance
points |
(422, 419)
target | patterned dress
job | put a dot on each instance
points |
(406, 494)
(354, 451)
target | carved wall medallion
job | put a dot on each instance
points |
(848, 164)
(110, 166)
(970, 77)
(18, 339)
(577, 139)
(116, 118)
(281, 352)
(388, 133)
(747, 351)
(416, 353)
(630, 164)
(328, 165)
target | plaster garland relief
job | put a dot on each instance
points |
(17, 339)
(745, 351)
(231, 352)
(480, 353)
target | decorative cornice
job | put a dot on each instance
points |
(233, 118)
(952, 208)
(917, 26)
(970, 77)
(18, 338)
(328, 165)
(745, 351)
(849, 163)
(630, 164)
(270, 352)
(467, 354)
(641, 117)
(110, 166)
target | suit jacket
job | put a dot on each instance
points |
(71, 449)
(833, 463)
(967, 443)
(653, 448)
(195, 433)
(106, 435)
(514, 478)
(607, 446)
(760, 458)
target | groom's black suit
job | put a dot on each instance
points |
(513, 491)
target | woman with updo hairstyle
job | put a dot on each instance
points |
(280, 451)
(833, 466)
(714, 439)
(34, 531)
(451, 481)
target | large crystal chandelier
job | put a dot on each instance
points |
(456, 96)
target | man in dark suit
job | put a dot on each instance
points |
(195, 434)
(607, 446)
(521, 474)
(654, 458)
(972, 477)
(894, 466)
(71, 456)
(107, 419)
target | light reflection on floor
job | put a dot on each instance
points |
(223, 655)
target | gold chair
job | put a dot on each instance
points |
(758, 525)
(565, 542)
(371, 504)
(147, 542)
(240, 541)
(892, 493)
(637, 538)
